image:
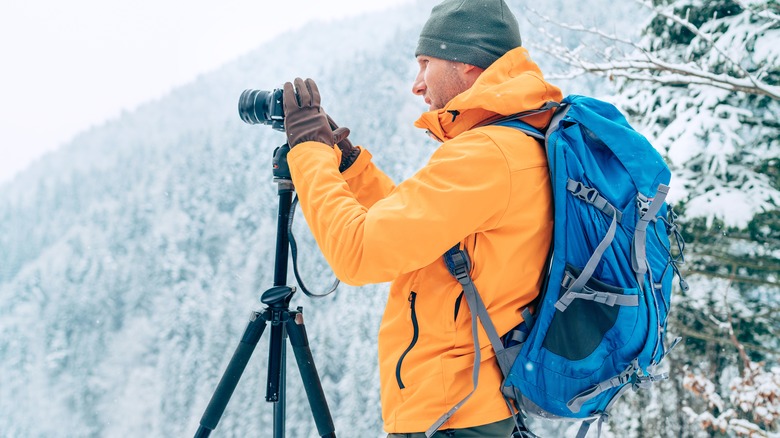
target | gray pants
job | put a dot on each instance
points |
(499, 429)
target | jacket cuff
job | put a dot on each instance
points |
(306, 148)
(359, 165)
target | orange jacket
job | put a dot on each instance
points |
(487, 187)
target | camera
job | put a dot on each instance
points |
(262, 107)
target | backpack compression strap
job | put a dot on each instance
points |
(648, 210)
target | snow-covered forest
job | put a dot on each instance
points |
(130, 259)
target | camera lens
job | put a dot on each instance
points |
(264, 107)
(253, 106)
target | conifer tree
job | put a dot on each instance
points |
(702, 83)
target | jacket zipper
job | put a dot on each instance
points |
(457, 306)
(412, 298)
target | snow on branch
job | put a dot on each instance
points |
(752, 408)
(774, 19)
(684, 22)
(649, 67)
(670, 73)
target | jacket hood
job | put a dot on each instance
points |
(512, 84)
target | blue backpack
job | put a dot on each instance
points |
(600, 319)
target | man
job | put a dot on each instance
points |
(486, 187)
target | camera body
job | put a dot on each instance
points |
(262, 107)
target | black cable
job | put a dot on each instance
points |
(294, 253)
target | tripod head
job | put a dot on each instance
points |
(281, 168)
(278, 297)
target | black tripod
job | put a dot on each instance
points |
(284, 322)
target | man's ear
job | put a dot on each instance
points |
(471, 72)
(468, 68)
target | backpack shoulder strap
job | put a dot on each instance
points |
(520, 126)
(516, 120)
(459, 265)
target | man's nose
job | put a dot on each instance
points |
(418, 87)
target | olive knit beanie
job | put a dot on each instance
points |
(475, 32)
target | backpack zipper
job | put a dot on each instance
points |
(416, 327)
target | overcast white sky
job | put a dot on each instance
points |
(68, 65)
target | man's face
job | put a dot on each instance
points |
(439, 80)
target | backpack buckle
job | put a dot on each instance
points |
(642, 204)
(567, 281)
(458, 264)
(583, 192)
(462, 275)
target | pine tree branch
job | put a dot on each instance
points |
(666, 73)
(738, 279)
(684, 22)
(720, 340)
(767, 89)
(740, 261)
(773, 18)
(767, 312)
(732, 334)
(755, 121)
(582, 29)
(670, 73)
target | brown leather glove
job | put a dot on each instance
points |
(349, 152)
(304, 120)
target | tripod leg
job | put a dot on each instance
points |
(232, 374)
(276, 383)
(311, 380)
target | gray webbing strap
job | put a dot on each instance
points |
(528, 317)
(519, 418)
(492, 333)
(617, 396)
(555, 121)
(593, 197)
(583, 432)
(606, 298)
(576, 403)
(638, 246)
(478, 311)
(474, 373)
(589, 268)
(521, 115)
(517, 336)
